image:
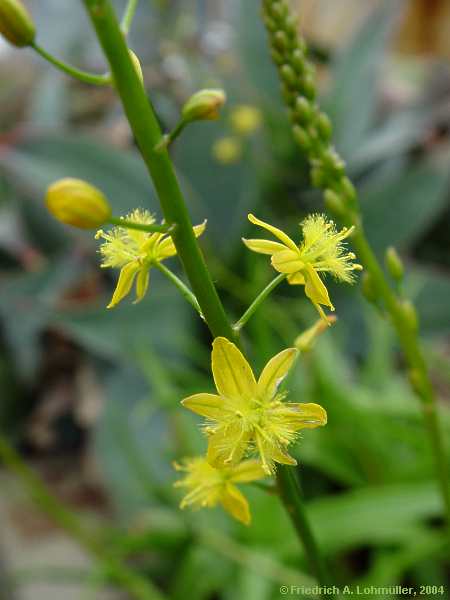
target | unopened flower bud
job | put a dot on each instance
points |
(289, 76)
(324, 127)
(245, 119)
(204, 105)
(334, 203)
(394, 264)
(227, 150)
(75, 202)
(368, 288)
(16, 23)
(306, 340)
(410, 315)
(302, 138)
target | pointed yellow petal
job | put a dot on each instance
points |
(304, 415)
(264, 246)
(296, 279)
(227, 446)
(275, 231)
(232, 374)
(248, 470)
(236, 504)
(166, 247)
(123, 287)
(280, 456)
(206, 405)
(274, 372)
(142, 282)
(199, 229)
(287, 261)
(315, 288)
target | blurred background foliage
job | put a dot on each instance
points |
(91, 397)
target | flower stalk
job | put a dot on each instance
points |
(148, 134)
(146, 129)
(312, 131)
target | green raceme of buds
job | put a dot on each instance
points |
(77, 203)
(16, 23)
(204, 105)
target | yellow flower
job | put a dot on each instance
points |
(134, 252)
(249, 416)
(321, 251)
(209, 486)
(227, 150)
(245, 119)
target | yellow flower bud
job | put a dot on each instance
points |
(394, 264)
(16, 23)
(245, 119)
(204, 105)
(77, 203)
(227, 150)
(306, 340)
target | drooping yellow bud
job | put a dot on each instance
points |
(245, 119)
(306, 340)
(75, 202)
(227, 150)
(16, 23)
(204, 105)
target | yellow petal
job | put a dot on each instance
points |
(287, 261)
(166, 247)
(232, 374)
(206, 405)
(227, 446)
(296, 279)
(274, 372)
(142, 282)
(305, 415)
(248, 470)
(280, 456)
(236, 504)
(315, 288)
(275, 231)
(123, 287)
(264, 246)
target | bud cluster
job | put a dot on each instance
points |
(311, 127)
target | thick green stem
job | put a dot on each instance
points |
(83, 76)
(258, 301)
(137, 586)
(312, 130)
(291, 494)
(145, 127)
(185, 291)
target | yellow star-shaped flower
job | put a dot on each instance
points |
(249, 416)
(209, 486)
(321, 251)
(134, 252)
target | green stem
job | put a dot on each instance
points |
(258, 301)
(141, 226)
(140, 588)
(291, 494)
(128, 16)
(312, 130)
(146, 129)
(185, 291)
(83, 76)
(170, 137)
